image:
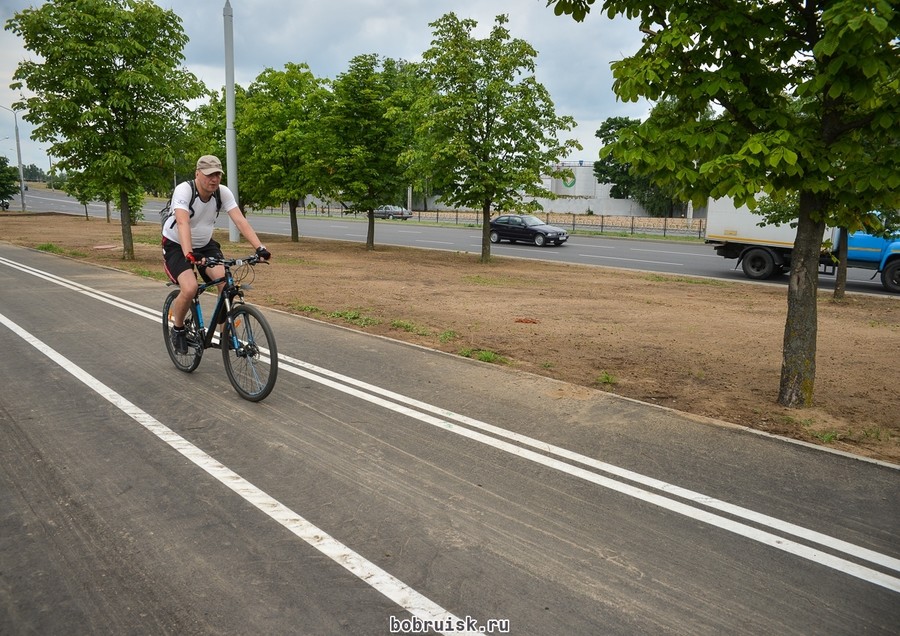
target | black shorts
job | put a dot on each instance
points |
(176, 263)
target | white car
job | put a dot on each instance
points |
(391, 212)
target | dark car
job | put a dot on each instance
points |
(4, 204)
(526, 228)
(391, 212)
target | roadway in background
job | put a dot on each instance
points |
(661, 256)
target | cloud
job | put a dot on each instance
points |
(573, 58)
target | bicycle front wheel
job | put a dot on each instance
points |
(189, 361)
(249, 353)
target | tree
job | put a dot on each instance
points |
(108, 91)
(9, 179)
(363, 144)
(657, 201)
(279, 125)
(488, 128)
(755, 62)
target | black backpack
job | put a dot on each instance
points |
(167, 211)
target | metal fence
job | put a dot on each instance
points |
(600, 223)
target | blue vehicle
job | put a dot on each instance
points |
(874, 252)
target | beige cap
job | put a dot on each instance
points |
(208, 164)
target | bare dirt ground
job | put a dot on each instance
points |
(704, 347)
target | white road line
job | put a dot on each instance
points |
(406, 406)
(382, 581)
(736, 527)
(631, 260)
(691, 254)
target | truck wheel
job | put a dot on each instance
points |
(890, 276)
(758, 264)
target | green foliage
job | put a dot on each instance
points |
(9, 179)
(362, 143)
(487, 128)
(578, 9)
(607, 169)
(283, 154)
(484, 355)
(654, 190)
(355, 317)
(607, 379)
(409, 327)
(108, 93)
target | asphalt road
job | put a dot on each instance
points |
(669, 257)
(383, 485)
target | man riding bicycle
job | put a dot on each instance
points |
(187, 237)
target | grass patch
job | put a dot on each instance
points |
(499, 281)
(306, 309)
(147, 240)
(447, 336)
(826, 437)
(50, 248)
(354, 317)
(409, 327)
(486, 281)
(484, 355)
(657, 278)
(148, 273)
(606, 379)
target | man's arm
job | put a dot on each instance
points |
(244, 227)
(183, 224)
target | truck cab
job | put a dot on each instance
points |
(879, 253)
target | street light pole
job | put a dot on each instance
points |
(19, 158)
(230, 135)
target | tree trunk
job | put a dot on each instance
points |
(370, 232)
(295, 231)
(125, 218)
(798, 364)
(486, 232)
(840, 279)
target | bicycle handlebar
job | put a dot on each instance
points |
(254, 259)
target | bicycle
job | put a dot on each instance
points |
(247, 342)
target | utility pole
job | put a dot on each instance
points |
(19, 158)
(230, 136)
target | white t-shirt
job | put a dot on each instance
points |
(204, 218)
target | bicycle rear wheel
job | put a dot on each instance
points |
(249, 354)
(189, 361)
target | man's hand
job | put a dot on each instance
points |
(194, 258)
(263, 253)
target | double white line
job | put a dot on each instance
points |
(767, 530)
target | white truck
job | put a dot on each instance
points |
(765, 251)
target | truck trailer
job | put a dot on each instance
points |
(764, 252)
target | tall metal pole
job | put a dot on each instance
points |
(230, 136)
(19, 158)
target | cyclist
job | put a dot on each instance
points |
(187, 236)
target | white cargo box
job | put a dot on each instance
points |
(726, 223)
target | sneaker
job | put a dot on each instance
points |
(179, 341)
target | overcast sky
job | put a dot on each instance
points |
(572, 63)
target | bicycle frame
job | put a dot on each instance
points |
(224, 303)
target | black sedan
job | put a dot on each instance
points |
(526, 228)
